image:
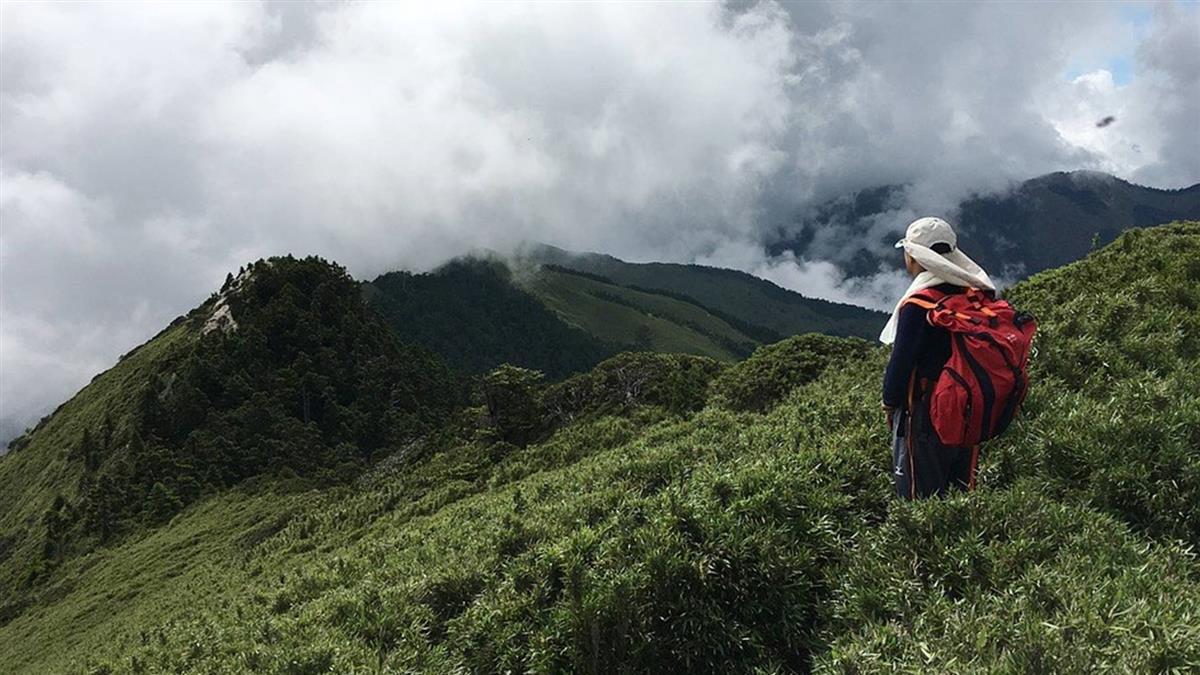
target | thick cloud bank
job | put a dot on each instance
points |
(146, 150)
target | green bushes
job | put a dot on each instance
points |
(672, 515)
(518, 409)
(763, 379)
(708, 545)
(510, 397)
(1117, 313)
(1112, 417)
(676, 382)
(1012, 582)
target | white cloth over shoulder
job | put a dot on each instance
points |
(950, 268)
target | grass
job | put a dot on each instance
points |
(763, 540)
(197, 562)
(735, 294)
(637, 319)
(44, 467)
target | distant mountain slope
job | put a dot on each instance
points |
(1052, 220)
(473, 315)
(755, 306)
(1041, 223)
(556, 313)
(636, 319)
(667, 513)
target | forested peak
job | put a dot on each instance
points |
(284, 371)
(483, 267)
(659, 512)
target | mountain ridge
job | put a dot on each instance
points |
(1035, 245)
(660, 512)
(452, 298)
(731, 292)
(544, 309)
(1043, 222)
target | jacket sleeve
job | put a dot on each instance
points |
(910, 333)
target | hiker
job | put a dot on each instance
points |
(950, 302)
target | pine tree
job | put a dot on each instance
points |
(99, 515)
(162, 503)
(510, 394)
(89, 450)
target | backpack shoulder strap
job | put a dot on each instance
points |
(925, 299)
(919, 302)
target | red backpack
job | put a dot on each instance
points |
(985, 380)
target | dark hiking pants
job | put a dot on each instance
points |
(921, 465)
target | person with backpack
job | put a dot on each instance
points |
(956, 375)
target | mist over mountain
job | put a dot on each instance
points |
(558, 348)
(10, 428)
(276, 482)
(1040, 223)
(760, 306)
(150, 148)
(841, 248)
(846, 244)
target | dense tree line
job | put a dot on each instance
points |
(305, 381)
(471, 314)
(521, 409)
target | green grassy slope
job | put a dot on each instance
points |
(636, 319)
(300, 379)
(650, 538)
(198, 562)
(472, 314)
(740, 296)
(46, 463)
(479, 314)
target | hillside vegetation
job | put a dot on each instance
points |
(479, 313)
(668, 513)
(637, 319)
(756, 307)
(283, 372)
(475, 317)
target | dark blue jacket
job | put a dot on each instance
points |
(918, 345)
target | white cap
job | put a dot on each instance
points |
(929, 231)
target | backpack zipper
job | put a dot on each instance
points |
(970, 399)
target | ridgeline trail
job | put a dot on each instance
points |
(305, 494)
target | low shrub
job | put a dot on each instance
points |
(676, 382)
(772, 371)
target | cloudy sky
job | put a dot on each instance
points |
(148, 149)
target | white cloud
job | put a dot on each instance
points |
(147, 149)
